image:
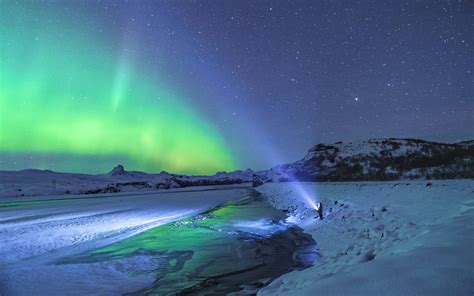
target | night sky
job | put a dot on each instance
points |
(202, 86)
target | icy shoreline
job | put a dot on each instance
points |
(51, 248)
(34, 235)
(394, 238)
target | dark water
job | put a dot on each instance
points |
(239, 246)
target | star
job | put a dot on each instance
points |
(235, 62)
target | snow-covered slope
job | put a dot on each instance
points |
(382, 238)
(379, 159)
(48, 183)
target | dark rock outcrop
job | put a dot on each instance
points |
(117, 171)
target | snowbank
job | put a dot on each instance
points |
(383, 238)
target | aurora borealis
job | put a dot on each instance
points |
(65, 94)
(199, 86)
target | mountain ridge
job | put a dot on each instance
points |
(378, 159)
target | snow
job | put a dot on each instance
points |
(376, 147)
(37, 182)
(390, 238)
(27, 183)
(34, 235)
(30, 230)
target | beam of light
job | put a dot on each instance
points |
(252, 130)
(309, 199)
(65, 94)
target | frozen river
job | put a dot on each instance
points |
(33, 234)
(111, 245)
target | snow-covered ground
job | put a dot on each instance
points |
(30, 183)
(34, 235)
(383, 238)
(377, 238)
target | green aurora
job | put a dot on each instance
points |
(64, 92)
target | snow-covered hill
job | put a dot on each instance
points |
(45, 182)
(382, 238)
(379, 159)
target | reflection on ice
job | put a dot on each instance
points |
(261, 226)
(292, 219)
(243, 242)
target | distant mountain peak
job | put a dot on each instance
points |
(117, 171)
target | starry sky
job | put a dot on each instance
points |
(203, 86)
